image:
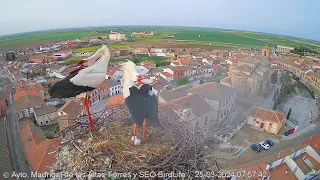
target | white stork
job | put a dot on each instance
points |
(140, 98)
(89, 74)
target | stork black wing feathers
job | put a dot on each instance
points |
(142, 106)
(66, 89)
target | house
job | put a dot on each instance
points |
(117, 76)
(114, 87)
(174, 64)
(115, 100)
(314, 78)
(63, 54)
(284, 49)
(140, 51)
(290, 65)
(30, 135)
(206, 71)
(40, 152)
(158, 87)
(42, 156)
(45, 115)
(178, 71)
(25, 102)
(221, 98)
(148, 65)
(194, 110)
(69, 113)
(167, 76)
(208, 61)
(142, 69)
(189, 72)
(165, 96)
(117, 36)
(155, 71)
(267, 120)
(102, 92)
(42, 59)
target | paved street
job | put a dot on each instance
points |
(251, 157)
(19, 161)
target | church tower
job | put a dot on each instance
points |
(265, 52)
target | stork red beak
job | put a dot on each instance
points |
(140, 78)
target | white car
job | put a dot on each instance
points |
(264, 145)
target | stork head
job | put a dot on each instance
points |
(130, 74)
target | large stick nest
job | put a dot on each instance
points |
(172, 146)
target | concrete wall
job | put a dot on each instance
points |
(47, 119)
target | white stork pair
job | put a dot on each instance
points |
(139, 96)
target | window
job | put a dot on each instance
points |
(206, 120)
(197, 125)
(47, 122)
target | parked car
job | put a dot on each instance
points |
(255, 147)
(270, 142)
(264, 145)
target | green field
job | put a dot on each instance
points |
(55, 36)
(110, 46)
(221, 37)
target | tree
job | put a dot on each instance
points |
(182, 81)
(288, 115)
(10, 56)
(274, 78)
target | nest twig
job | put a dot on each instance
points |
(172, 146)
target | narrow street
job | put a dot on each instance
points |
(18, 158)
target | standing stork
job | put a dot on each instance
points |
(88, 75)
(140, 98)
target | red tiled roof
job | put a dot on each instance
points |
(167, 74)
(42, 156)
(114, 100)
(217, 66)
(266, 115)
(111, 72)
(235, 60)
(29, 138)
(23, 93)
(158, 86)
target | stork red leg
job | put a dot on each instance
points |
(87, 105)
(134, 134)
(144, 129)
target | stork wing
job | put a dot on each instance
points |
(91, 60)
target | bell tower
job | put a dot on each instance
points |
(265, 51)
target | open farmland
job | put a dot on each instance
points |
(95, 48)
(275, 39)
(187, 35)
(54, 36)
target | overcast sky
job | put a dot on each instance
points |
(300, 18)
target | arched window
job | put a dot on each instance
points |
(206, 120)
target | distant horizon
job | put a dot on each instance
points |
(293, 18)
(105, 26)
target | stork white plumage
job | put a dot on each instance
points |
(90, 73)
(140, 98)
